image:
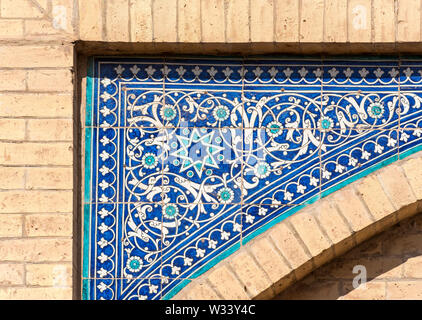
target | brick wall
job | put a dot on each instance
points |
(245, 21)
(37, 87)
(393, 262)
(36, 150)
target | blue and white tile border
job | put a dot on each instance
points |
(361, 116)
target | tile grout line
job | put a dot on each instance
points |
(320, 131)
(399, 109)
(162, 185)
(242, 128)
(242, 164)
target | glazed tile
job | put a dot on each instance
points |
(346, 155)
(186, 159)
(410, 141)
(280, 166)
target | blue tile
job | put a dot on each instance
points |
(210, 106)
(139, 289)
(109, 87)
(411, 107)
(283, 73)
(292, 108)
(360, 73)
(132, 250)
(200, 71)
(188, 159)
(410, 140)
(281, 166)
(124, 288)
(362, 109)
(203, 165)
(410, 74)
(215, 227)
(346, 154)
(131, 172)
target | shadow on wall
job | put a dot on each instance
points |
(393, 263)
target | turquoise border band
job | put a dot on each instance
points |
(87, 182)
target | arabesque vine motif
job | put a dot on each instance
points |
(191, 159)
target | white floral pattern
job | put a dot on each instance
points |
(188, 158)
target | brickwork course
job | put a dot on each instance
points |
(39, 116)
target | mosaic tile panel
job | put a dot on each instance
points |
(187, 159)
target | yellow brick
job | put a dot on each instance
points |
(226, 284)
(164, 17)
(404, 290)
(36, 250)
(90, 20)
(396, 185)
(50, 129)
(59, 153)
(374, 196)
(36, 105)
(21, 9)
(49, 275)
(11, 274)
(12, 129)
(384, 20)
(117, 17)
(413, 267)
(213, 27)
(35, 293)
(13, 80)
(10, 225)
(335, 227)
(310, 233)
(253, 277)
(201, 291)
(39, 28)
(409, 20)
(11, 29)
(291, 249)
(287, 20)
(36, 201)
(372, 291)
(36, 56)
(237, 21)
(49, 178)
(141, 20)
(312, 23)
(262, 20)
(48, 225)
(272, 263)
(335, 26)
(359, 20)
(352, 209)
(412, 169)
(12, 178)
(189, 20)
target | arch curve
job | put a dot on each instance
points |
(315, 235)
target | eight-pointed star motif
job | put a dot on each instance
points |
(197, 150)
